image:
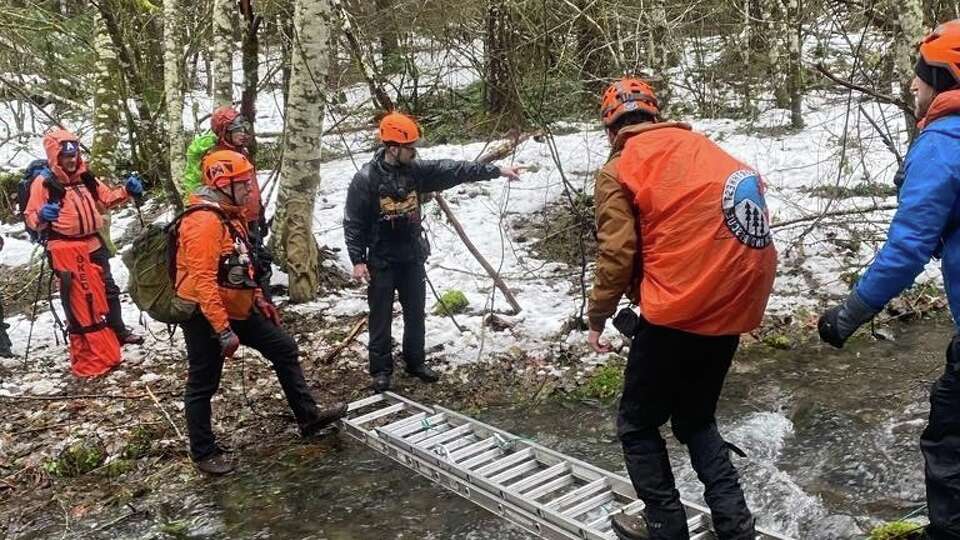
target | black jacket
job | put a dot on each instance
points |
(382, 217)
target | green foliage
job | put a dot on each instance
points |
(76, 460)
(175, 529)
(604, 384)
(778, 341)
(452, 301)
(897, 530)
(140, 443)
(118, 467)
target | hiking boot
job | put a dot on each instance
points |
(630, 527)
(217, 465)
(425, 374)
(381, 383)
(326, 416)
(129, 338)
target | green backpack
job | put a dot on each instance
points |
(152, 262)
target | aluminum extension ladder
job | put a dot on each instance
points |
(545, 492)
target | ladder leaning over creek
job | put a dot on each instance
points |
(547, 493)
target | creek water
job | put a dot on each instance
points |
(831, 437)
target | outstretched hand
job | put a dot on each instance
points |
(593, 338)
(512, 173)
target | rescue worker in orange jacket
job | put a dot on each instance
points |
(233, 133)
(683, 230)
(215, 271)
(77, 216)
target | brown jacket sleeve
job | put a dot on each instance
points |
(616, 249)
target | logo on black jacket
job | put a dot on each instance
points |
(745, 210)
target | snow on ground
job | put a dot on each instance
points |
(793, 163)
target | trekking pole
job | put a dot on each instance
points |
(33, 316)
(444, 306)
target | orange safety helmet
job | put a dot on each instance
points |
(224, 167)
(941, 49)
(398, 128)
(627, 95)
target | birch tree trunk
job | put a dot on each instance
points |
(106, 102)
(106, 114)
(908, 34)
(172, 87)
(222, 52)
(293, 244)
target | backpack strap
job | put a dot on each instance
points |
(173, 234)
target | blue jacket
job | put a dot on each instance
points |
(929, 212)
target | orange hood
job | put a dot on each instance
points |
(944, 104)
(51, 144)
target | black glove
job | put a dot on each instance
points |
(838, 323)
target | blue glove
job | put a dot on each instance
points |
(134, 186)
(49, 212)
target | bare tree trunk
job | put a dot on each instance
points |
(222, 52)
(908, 34)
(391, 60)
(658, 53)
(795, 62)
(106, 115)
(777, 29)
(106, 103)
(251, 66)
(501, 82)
(294, 246)
(172, 87)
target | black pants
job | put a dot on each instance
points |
(5, 343)
(677, 376)
(409, 282)
(206, 365)
(101, 258)
(940, 444)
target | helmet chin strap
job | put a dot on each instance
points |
(232, 195)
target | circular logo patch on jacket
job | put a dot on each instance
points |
(745, 210)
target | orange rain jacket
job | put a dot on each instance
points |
(693, 244)
(203, 240)
(80, 211)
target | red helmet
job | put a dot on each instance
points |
(627, 95)
(398, 128)
(224, 167)
(941, 49)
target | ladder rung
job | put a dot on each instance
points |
(705, 535)
(468, 451)
(459, 444)
(427, 424)
(376, 398)
(441, 438)
(379, 413)
(508, 461)
(589, 505)
(480, 459)
(549, 487)
(519, 470)
(404, 422)
(696, 522)
(432, 431)
(633, 508)
(603, 522)
(580, 493)
(535, 479)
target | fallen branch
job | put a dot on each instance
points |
(344, 342)
(81, 396)
(884, 98)
(164, 411)
(834, 213)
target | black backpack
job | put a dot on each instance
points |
(41, 168)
